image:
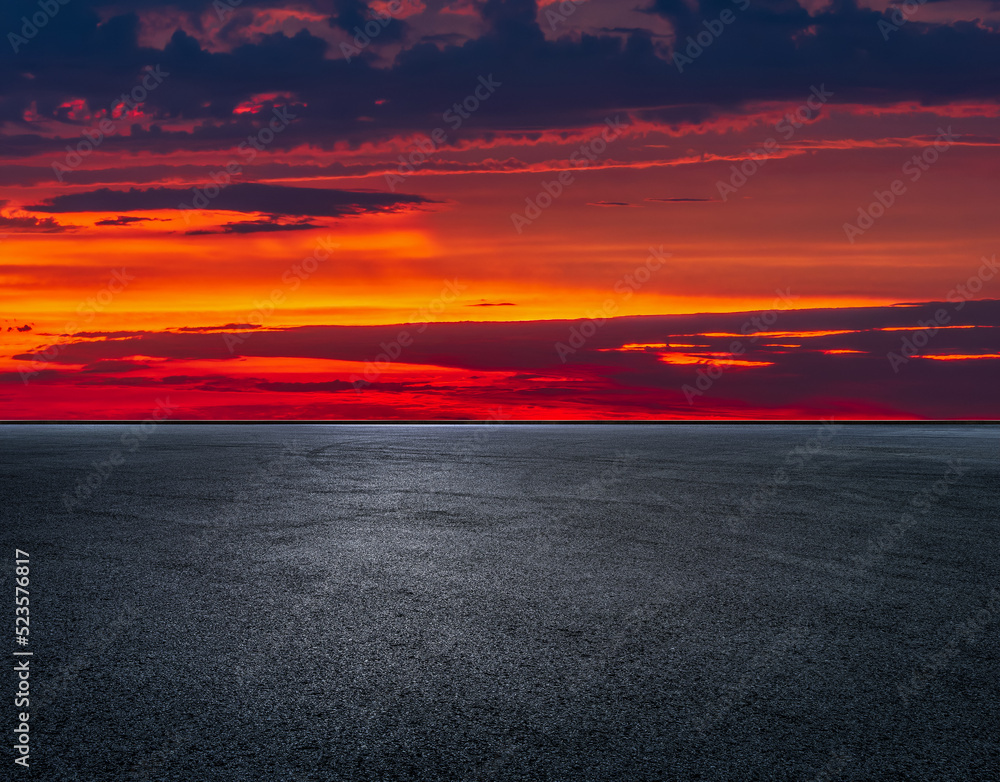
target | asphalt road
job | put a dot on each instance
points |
(508, 603)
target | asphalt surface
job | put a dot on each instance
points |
(508, 603)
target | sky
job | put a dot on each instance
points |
(499, 209)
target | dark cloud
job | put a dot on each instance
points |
(354, 15)
(28, 224)
(810, 377)
(682, 200)
(104, 334)
(124, 220)
(256, 226)
(100, 367)
(513, 20)
(528, 345)
(773, 50)
(227, 327)
(243, 197)
(317, 387)
(42, 375)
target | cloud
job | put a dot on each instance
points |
(768, 53)
(684, 200)
(256, 226)
(243, 197)
(227, 327)
(839, 365)
(353, 14)
(124, 220)
(113, 366)
(29, 224)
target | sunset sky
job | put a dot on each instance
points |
(429, 209)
